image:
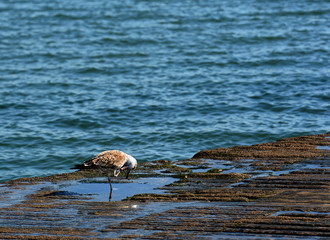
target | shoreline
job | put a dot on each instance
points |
(263, 190)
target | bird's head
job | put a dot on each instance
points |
(130, 164)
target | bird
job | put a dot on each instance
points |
(108, 161)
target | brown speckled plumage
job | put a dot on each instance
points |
(112, 159)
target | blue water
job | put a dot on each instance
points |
(157, 79)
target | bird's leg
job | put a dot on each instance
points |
(123, 168)
(128, 171)
(109, 180)
(116, 172)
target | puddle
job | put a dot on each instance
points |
(242, 166)
(279, 213)
(96, 189)
(99, 191)
(15, 195)
(323, 147)
(208, 164)
(250, 236)
(298, 167)
(162, 172)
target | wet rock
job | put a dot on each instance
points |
(269, 190)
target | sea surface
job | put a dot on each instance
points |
(158, 79)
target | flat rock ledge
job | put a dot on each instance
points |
(269, 190)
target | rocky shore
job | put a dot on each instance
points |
(269, 190)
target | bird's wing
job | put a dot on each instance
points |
(110, 159)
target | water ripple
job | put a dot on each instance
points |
(157, 79)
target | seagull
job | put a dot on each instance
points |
(111, 160)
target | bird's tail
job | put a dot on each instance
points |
(87, 164)
(78, 166)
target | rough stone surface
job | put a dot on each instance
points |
(268, 190)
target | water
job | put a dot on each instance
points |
(97, 191)
(156, 79)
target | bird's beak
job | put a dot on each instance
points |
(128, 171)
